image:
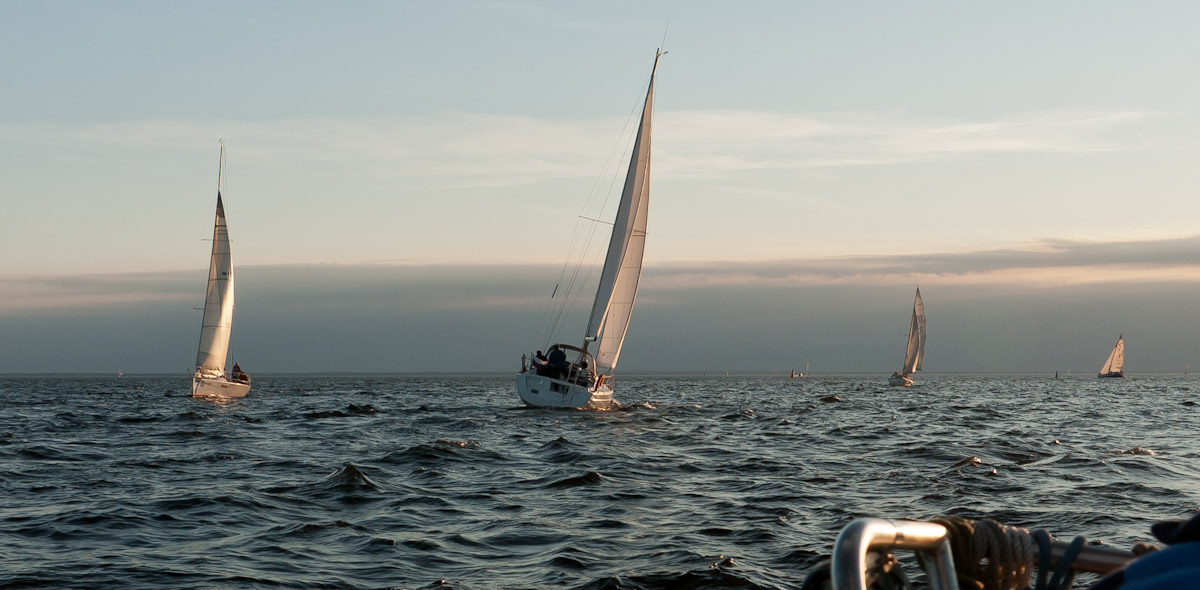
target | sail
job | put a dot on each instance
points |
(1116, 358)
(914, 354)
(218, 302)
(623, 264)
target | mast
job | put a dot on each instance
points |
(617, 290)
(1116, 359)
(217, 322)
(914, 353)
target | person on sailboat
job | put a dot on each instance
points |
(558, 362)
(538, 363)
(238, 374)
(584, 377)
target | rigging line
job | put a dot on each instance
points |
(552, 317)
(632, 138)
(571, 303)
(607, 171)
(598, 220)
(628, 149)
(578, 247)
(572, 294)
(629, 138)
(613, 154)
(568, 301)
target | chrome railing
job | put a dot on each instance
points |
(931, 540)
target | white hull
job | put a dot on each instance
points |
(219, 387)
(544, 392)
(900, 381)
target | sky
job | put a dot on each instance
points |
(404, 179)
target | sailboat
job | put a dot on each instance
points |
(1114, 367)
(803, 374)
(914, 353)
(554, 381)
(210, 378)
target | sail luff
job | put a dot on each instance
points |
(919, 313)
(1116, 359)
(217, 322)
(914, 351)
(615, 295)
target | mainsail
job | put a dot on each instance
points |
(218, 302)
(1116, 359)
(914, 354)
(623, 264)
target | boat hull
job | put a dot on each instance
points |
(1111, 375)
(900, 381)
(219, 387)
(544, 392)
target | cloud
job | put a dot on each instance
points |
(1053, 262)
(1047, 305)
(1045, 263)
(454, 149)
(715, 143)
(25, 293)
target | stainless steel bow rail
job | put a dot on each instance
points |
(932, 542)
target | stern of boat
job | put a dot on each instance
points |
(218, 387)
(545, 392)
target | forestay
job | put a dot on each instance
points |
(1116, 358)
(218, 302)
(623, 264)
(914, 354)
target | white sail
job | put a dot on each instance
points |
(1116, 359)
(914, 354)
(218, 302)
(623, 264)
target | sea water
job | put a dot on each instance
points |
(447, 482)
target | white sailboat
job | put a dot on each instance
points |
(1114, 367)
(802, 374)
(210, 378)
(914, 353)
(584, 382)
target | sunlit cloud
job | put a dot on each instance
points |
(1044, 263)
(445, 287)
(28, 293)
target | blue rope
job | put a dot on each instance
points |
(1063, 576)
(1043, 568)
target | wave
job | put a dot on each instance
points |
(350, 411)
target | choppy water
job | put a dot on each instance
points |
(419, 482)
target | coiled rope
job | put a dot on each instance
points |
(989, 555)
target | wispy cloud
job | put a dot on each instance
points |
(714, 143)
(464, 149)
(26, 293)
(445, 287)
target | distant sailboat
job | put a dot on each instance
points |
(210, 379)
(804, 374)
(914, 353)
(554, 381)
(1114, 367)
